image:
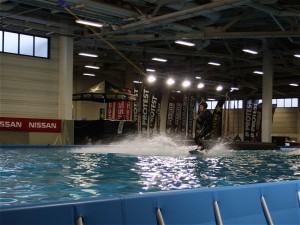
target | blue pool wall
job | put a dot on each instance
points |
(264, 203)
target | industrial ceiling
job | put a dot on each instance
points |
(135, 31)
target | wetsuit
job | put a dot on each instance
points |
(205, 122)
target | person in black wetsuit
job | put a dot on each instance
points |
(204, 119)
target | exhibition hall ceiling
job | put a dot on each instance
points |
(136, 31)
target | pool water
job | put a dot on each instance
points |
(47, 175)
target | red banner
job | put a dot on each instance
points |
(109, 110)
(123, 109)
(29, 125)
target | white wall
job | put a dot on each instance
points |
(29, 88)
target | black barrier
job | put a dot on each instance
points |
(101, 131)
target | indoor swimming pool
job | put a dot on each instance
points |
(40, 175)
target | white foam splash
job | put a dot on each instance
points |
(138, 145)
(219, 149)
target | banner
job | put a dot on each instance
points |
(258, 122)
(136, 92)
(253, 121)
(171, 113)
(145, 109)
(158, 115)
(191, 112)
(258, 127)
(248, 118)
(184, 114)
(155, 97)
(110, 111)
(30, 125)
(217, 119)
(123, 108)
(178, 114)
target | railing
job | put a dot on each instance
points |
(264, 204)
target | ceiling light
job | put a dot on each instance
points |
(159, 59)
(214, 63)
(186, 83)
(151, 79)
(297, 55)
(250, 51)
(150, 70)
(294, 85)
(200, 85)
(89, 23)
(89, 74)
(234, 89)
(92, 67)
(137, 82)
(198, 78)
(258, 72)
(88, 54)
(211, 99)
(219, 88)
(170, 81)
(184, 43)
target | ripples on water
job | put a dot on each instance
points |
(43, 175)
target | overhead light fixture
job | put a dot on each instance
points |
(186, 43)
(159, 59)
(89, 23)
(88, 54)
(211, 99)
(49, 33)
(234, 89)
(198, 78)
(89, 74)
(170, 81)
(150, 70)
(294, 84)
(92, 67)
(258, 72)
(137, 82)
(297, 55)
(251, 51)
(234, 86)
(219, 88)
(214, 63)
(186, 83)
(200, 85)
(151, 78)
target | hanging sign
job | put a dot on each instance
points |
(110, 111)
(171, 113)
(184, 114)
(145, 109)
(123, 108)
(191, 109)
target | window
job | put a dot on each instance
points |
(1, 40)
(11, 43)
(26, 44)
(41, 47)
(294, 102)
(285, 102)
(233, 104)
(22, 44)
(238, 104)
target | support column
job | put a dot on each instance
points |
(267, 93)
(65, 78)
